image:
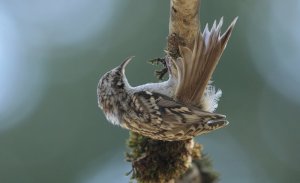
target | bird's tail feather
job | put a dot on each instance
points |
(195, 67)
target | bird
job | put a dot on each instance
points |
(179, 108)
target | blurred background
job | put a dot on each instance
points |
(52, 54)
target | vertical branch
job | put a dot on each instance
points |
(184, 24)
(155, 161)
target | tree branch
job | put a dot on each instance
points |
(184, 24)
(155, 161)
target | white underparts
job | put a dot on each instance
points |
(211, 98)
(166, 87)
(112, 118)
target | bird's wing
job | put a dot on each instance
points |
(174, 117)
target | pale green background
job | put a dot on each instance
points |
(52, 54)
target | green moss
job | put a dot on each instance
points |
(159, 161)
(156, 161)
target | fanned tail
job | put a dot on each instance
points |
(195, 67)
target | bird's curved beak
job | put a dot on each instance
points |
(124, 64)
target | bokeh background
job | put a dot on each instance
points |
(52, 54)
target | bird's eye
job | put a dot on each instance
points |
(120, 84)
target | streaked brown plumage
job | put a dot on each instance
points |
(177, 109)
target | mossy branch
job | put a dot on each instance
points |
(156, 161)
(160, 161)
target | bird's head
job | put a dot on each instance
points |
(112, 83)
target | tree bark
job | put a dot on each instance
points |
(184, 24)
